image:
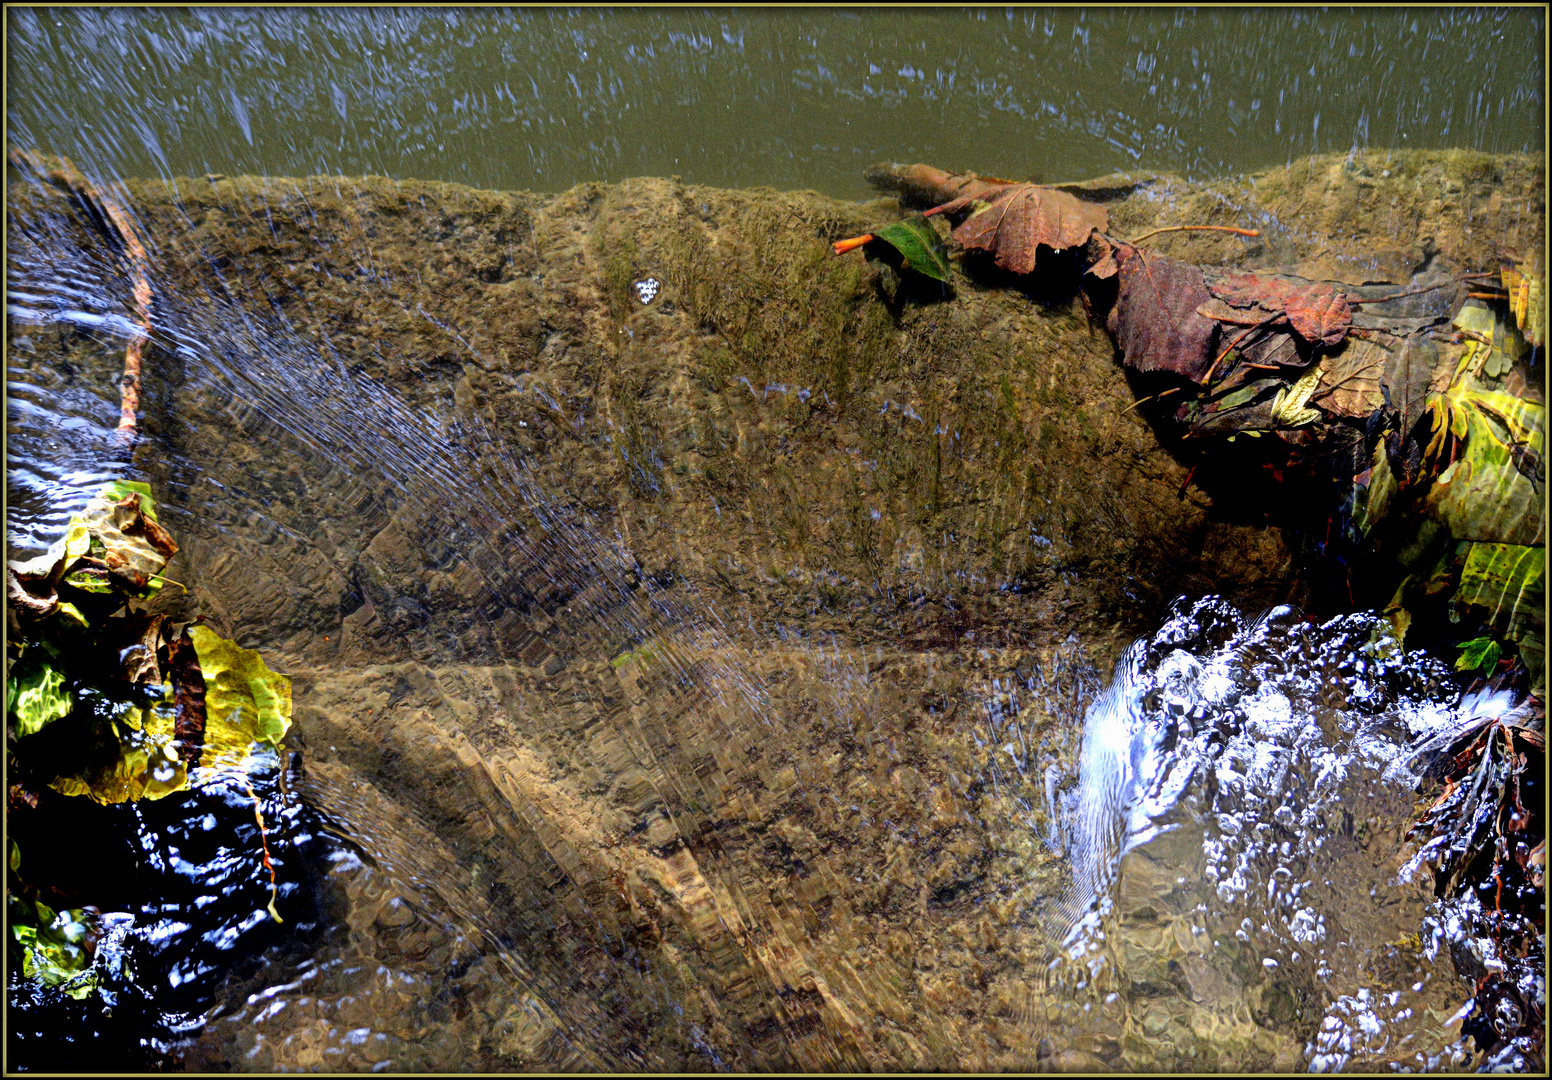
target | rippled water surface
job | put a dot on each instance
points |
(794, 99)
(554, 801)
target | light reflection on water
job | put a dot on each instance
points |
(546, 99)
(1271, 788)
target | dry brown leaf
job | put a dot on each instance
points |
(1155, 318)
(1019, 218)
(1317, 312)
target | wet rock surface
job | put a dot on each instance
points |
(652, 653)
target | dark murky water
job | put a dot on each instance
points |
(547, 99)
(828, 820)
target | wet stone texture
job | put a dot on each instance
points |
(653, 653)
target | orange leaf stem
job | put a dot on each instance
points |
(841, 247)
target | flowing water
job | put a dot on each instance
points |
(553, 799)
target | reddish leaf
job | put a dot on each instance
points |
(1317, 312)
(1018, 218)
(1155, 319)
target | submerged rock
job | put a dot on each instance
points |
(694, 661)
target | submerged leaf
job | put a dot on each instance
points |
(134, 547)
(146, 765)
(245, 702)
(36, 698)
(54, 950)
(1509, 580)
(1317, 312)
(1492, 491)
(1154, 318)
(1350, 381)
(918, 244)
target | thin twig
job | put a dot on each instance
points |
(1155, 397)
(1396, 296)
(70, 180)
(1235, 343)
(1197, 228)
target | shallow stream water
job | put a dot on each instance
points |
(562, 806)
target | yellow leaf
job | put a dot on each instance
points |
(245, 702)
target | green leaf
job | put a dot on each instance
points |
(245, 702)
(919, 245)
(36, 698)
(54, 950)
(147, 765)
(1509, 580)
(116, 491)
(1480, 653)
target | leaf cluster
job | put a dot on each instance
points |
(112, 701)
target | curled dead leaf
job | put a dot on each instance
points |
(1316, 310)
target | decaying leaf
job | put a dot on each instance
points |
(1526, 285)
(188, 698)
(1154, 318)
(1408, 369)
(918, 244)
(1014, 221)
(133, 546)
(1350, 381)
(137, 640)
(1316, 310)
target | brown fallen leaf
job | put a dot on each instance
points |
(1155, 319)
(1350, 381)
(1018, 218)
(188, 695)
(1406, 377)
(1316, 311)
(136, 547)
(924, 184)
